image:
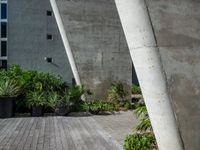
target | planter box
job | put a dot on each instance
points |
(62, 111)
(37, 111)
(7, 107)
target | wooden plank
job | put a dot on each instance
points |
(59, 145)
(40, 143)
(6, 132)
(53, 136)
(33, 144)
(75, 133)
(15, 134)
(47, 134)
(20, 134)
(10, 136)
(66, 130)
(87, 136)
(99, 140)
(113, 143)
(23, 140)
(30, 135)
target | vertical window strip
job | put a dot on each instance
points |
(3, 32)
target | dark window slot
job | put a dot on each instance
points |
(3, 29)
(3, 11)
(49, 37)
(3, 48)
(49, 13)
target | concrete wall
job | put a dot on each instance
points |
(177, 30)
(98, 43)
(28, 26)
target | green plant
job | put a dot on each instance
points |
(128, 105)
(144, 138)
(101, 106)
(136, 89)
(73, 97)
(9, 88)
(116, 92)
(36, 99)
(54, 100)
(138, 141)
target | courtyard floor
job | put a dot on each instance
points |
(74, 132)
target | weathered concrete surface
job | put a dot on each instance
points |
(177, 30)
(98, 43)
(28, 26)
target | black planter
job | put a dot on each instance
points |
(94, 112)
(63, 110)
(7, 107)
(37, 111)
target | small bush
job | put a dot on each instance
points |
(9, 88)
(101, 106)
(117, 92)
(136, 89)
(144, 138)
(37, 99)
(138, 141)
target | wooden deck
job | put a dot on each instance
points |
(60, 133)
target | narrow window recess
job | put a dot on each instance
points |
(3, 30)
(3, 48)
(49, 37)
(49, 13)
(3, 10)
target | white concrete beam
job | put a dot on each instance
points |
(65, 41)
(145, 55)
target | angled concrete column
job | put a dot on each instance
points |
(65, 41)
(145, 55)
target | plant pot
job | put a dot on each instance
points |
(7, 107)
(94, 112)
(63, 110)
(37, 111)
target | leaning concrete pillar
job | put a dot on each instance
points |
(144, 52)
(65, 41)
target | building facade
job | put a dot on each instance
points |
(30, 38)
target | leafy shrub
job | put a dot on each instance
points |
(9, 88)
(37, 99)
(116, 92)
(144, 141)
(54, 100)
(136, 89)
(128, 105)
(144, 138)
(101, 106)
(73, 95)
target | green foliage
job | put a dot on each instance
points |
(137, 141)
(128, 105)
(144, 125)
(54, 100)
(141, 111)
(136, 89)
(32, 80)
(46, 82)
(9, 88)
(74, 94)
(37, 99)
(101, 106)
(144, 138)
(116, 92)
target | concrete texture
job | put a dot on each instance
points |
(177, 30)
(98, 43)
(28, 26)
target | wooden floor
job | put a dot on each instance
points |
(58, 133)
